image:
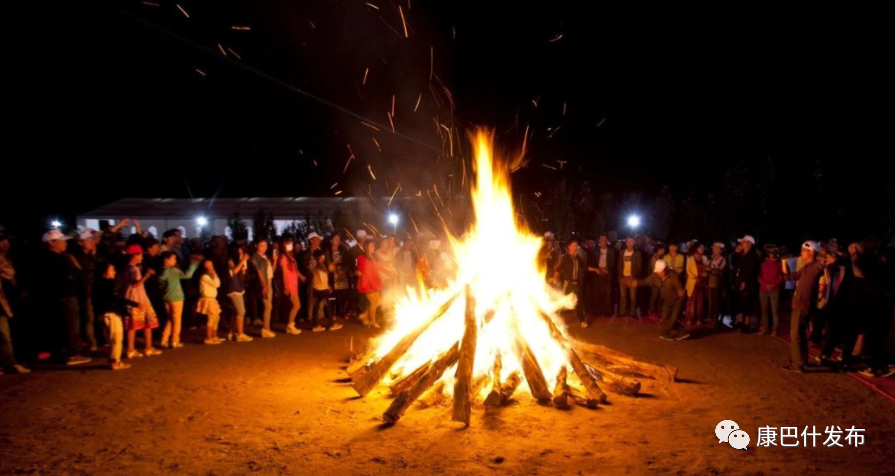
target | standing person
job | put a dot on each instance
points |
(85, 253)
(748, 268)
(658, 254)
(290, 276)
(672, 294)
(335, 256)
(549, 256)
(630, 263)
(675, 260)
(354, 252)
(570, 273)
(171, 287)
(696, 278)
(59, 293)
(263, 268)
(111, 306)
(209, 282)
(369, 284)
(716, 272)
(385, 258)
(769, 282)
(321, 290)
(173, 241)
(238, 265)
(605, 267)
(142, 316)
(804, 303)
(7, 275)
(315, 243)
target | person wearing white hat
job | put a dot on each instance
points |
(59, 293)
(804, 303)
(308, 263)
(672, 293)
(748, 265)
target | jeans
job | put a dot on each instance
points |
(654, 300)
(670, 313)
(798, 327)
(604, 295)
(319, 305)
(88, 323)
(628, 292)
(70, 314)
(7, 357)
(774, 298)
(267, 301)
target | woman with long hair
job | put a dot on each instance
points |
(290, 276)
(238, 264)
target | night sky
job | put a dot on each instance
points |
(108, 102)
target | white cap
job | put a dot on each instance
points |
(660, 266)
(811, 245)
(361, 234)
(718, 244)
(86, 235)
(549, 235)
(54, 235)
(313, 235)
(747, 238)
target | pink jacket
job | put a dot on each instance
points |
(771, 276)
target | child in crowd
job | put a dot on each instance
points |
(112, 306)
(142, 316)
(209, 282)
(321, 291)
(172, 290)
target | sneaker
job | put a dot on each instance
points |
(584, 324)
(335, 327)
(665, 337)
(243, 338)
(257, 323)
(291, 329)
(682, 336)
(793, 368)
(18, 369)
(220, 341)
(77, 360)
(318, 329)
(165, 345)
(134, 355)
(231, 337)
(176, 345)
(212, 341)
(266, 334)
(120, 366)
(151, 352)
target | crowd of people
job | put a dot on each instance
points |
(841, 298)
(92, 289)
(134, 294)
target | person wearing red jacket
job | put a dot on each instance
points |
(769, 280)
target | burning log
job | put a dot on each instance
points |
(580, 398)
(532, 370)
(463, 380)
(408, 380)
(509, 387)
(618, 383)
(364, 378)
(561, 391)
(402, 402)
(590, 385)
(623, 363)
(493, 398)
(433, 396)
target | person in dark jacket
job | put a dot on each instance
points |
(672, 293)
(604, 266)
(59, 292)
(630, 264)
(85, 253)
(804, 303)
(570, 274)
(748, 268)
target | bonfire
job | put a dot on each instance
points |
(494, 327)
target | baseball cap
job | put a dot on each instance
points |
(718, 244)
(548, 234)
(86, 235)
(811, 245)
(54, 235)
(361, 234)
(134, 249)
(313, 235)
(747, 238)
(660, 266)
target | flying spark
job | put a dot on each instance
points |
(393, 104)
(200, 72)
(241, 28)
(334, 185)
(403, 21)
(347, 163)
(549, 167)
(370, 168)
(222, 49)
(394, 193)
(366, 72)
(418, 102)
(601, 122)
(371, 126)
(563, 109)
(371, 5)
(312, 24)
(183, 11)
(431, 62)
(234, 54)
(338, 192)
(389, 26)
(391, 122)
(150, 4)
(557, 38)
(377, 144)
